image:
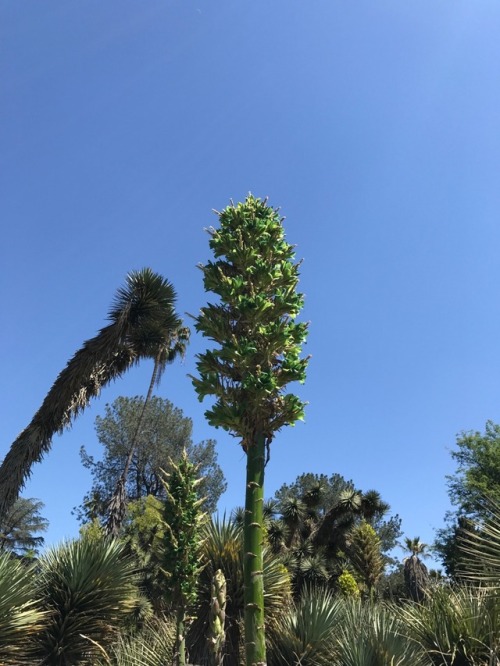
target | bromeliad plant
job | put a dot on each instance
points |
(258, 355)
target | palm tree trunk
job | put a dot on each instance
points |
(255, 642)
(118, 502)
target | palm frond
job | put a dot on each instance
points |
(480, 546)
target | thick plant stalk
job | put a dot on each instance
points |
(217, 635)
(255, 641)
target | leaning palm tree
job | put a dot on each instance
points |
(140, 308)
(166, 342)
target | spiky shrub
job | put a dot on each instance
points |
(372, 634)
(182, 521)
(153, 646)
(20, 617)
(457, 626)
(258, 355)
(305, 633)
(222, 549)
(88, 589)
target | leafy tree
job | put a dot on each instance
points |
(165, 433)
(477, 477)
(182, 521)
(478, 470)
(138, 310)
(258, 356)
(21, 526)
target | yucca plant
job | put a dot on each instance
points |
(20, 616)
(456, 626)
(373, 635)
(304, 634)
(87, 587)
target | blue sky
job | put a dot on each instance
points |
(374, 125)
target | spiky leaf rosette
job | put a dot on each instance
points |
(253, 323)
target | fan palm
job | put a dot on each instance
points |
(140, 310)
(415, 572)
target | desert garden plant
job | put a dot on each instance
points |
(253, 323)
(87, 589)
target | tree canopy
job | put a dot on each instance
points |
(165, 433)
(474, 485)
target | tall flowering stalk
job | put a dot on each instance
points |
(259, 344)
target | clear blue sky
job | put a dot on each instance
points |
(374, 125)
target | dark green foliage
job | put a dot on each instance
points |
(21, 526)
(477, 477)
(165, 433)
(316, 517)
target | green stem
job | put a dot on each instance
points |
(180, 643)
(255, 639)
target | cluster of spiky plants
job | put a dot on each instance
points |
(21, 618)
(87, 588)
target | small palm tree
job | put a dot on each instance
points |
(415, 572)
(138, 313)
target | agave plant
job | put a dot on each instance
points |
(87, 588)
(20, 617)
